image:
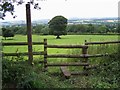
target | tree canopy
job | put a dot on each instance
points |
(7, 33)
(58, 26)
(8, 6)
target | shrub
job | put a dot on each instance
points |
(107, 75)
(18, 74)
(12, 71)
(7, 33)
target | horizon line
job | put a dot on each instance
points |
(68, 18)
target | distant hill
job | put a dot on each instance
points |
(73, 20)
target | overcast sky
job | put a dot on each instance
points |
(69, 9)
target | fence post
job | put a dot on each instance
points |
(84, 52)
(29, 33)
(45, 54)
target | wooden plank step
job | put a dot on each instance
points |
(68, 64)
(65, 72)
(80, 73)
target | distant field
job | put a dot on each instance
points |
(68, 39)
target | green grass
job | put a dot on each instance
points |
(78, 82)
(66, 40)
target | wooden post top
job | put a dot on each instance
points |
(27, 6)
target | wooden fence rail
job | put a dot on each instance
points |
(110, 42)
(46, 55)
(20, 43)
(76, 56)
(84, 54)
(66, 46)
(68, 64)
(22, 54)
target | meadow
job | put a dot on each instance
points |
(66, 40)
(46, 79)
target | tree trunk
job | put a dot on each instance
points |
(58, 37)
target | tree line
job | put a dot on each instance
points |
(92, 29)
(73, 29)
(58, 26)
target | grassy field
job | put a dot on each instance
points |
(68, 39)
(74, 81)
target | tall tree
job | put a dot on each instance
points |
(58, 26)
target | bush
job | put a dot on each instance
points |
(107, 75)
(18, 74)
(7, 33)
(12, 71)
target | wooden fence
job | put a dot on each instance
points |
(21, 44)
(96, 43)
(84, 54)
(83, 47)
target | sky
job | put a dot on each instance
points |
(68, 9)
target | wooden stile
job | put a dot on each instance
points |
(65, 72)
(63, 66)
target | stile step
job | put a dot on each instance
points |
(65, 72)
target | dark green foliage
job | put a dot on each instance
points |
(91, 29)
(37, 29)
(107, 75)
(58, 26)
(102, 29)
(7, 7)
(111, 67)
(18, 74)
(118, 27)
(78, 29)
(17, 29)
(12, 71)
(7, 33)
(45, 30)
(41, 29)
